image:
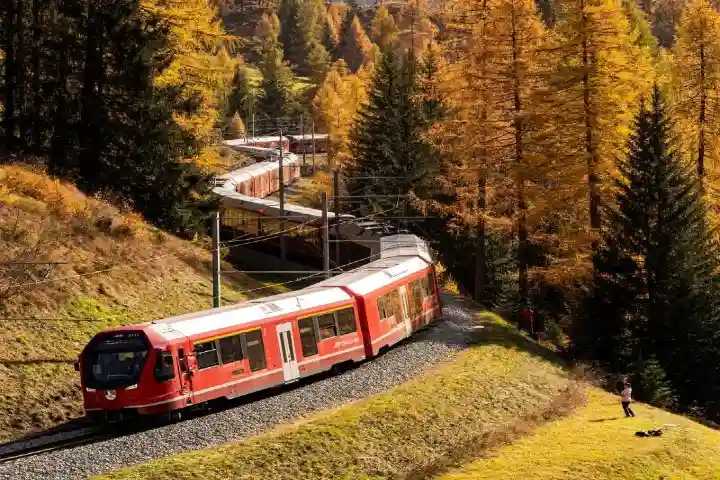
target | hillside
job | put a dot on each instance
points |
(504, 390)
(116, 269)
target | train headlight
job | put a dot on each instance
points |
(110, 394)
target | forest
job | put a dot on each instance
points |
(561, 155)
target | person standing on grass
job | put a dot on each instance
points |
(626, 399)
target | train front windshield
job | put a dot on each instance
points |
(115, 360)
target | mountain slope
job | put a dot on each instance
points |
(116, 269)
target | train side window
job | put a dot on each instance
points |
(346, 321)
(164, 370)
(207, 354)
(255, 350)
(431, 282)
(416, 294)
(382, 312)
(326, 324)
(231, 349)
(308, 341)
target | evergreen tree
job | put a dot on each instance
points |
(329, 37)
(235, 128)
(242, 96)
(387, 139)
(302, 25)
(354, 44)
(275, 98)
(653, 306)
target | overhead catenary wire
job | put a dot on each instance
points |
(251, 290)
(173, 254)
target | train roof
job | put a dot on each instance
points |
(257, 169)
(246, 313)
(271, 206)
(317, 136)
(404, 245)
(251, 140)
(378, 274)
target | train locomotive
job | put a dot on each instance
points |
(167, 366)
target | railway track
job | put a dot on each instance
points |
(50, 442)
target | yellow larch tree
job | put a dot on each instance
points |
(415, 29)
(599, 71)
(201, 68)
(695, 87)
(336, 104)
(383, 32)
(494, 91)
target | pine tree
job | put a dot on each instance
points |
(329, 37)
(275, 99)
(653, 295)
(696, 82)
(302, 25)
(235, 128)
(387, 139)
(354, 44)
(242, 94)
(384, 31)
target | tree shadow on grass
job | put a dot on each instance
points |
(496, 331)
(600, 420)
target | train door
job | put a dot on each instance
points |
(287, 352)
(185, 365)
(405, 310)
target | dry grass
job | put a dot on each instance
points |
(597, 442)
(144, 274)
(488, 395)
(309, 190)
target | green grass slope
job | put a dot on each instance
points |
(503, 385)
(505, 399)
(597, 442)
(116, 269)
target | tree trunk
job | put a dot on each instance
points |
(590, 147)
(23, 119)
(10, 75)
(480, 252)
(38, 109)
(59, 142)
(702, 119)
(519, 161)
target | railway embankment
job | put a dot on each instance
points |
(490, 393)
(246, 417)
(70, 266)
(505, 407)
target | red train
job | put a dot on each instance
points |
(303, 144)
(262, 178)
(168, 365)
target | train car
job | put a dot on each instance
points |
(260, 179)
(396, 295)
(303, 144)
(168, 365)
(184, 361)
(258, 144)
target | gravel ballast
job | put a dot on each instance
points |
(426, 348)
